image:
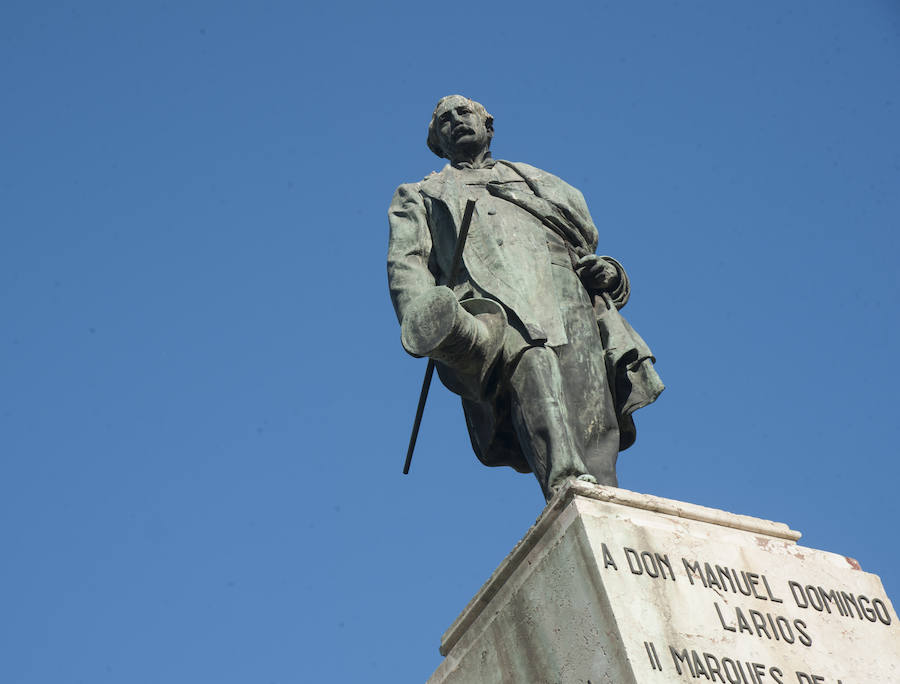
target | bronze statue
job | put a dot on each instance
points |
(530, 335)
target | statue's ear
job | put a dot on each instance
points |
(433, 143)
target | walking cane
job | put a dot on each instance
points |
(429, 370)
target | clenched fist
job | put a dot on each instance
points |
(596, 273)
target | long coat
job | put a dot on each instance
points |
(509, 267)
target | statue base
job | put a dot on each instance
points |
(614, 587)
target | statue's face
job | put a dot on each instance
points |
(461, 130)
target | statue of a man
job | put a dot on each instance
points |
(529, 335)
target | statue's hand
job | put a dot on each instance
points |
(597, 274)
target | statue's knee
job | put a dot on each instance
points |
(537, 360)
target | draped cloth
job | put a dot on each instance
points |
(632, 378)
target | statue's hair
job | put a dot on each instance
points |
(433, 143)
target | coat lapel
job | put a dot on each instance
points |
(445, 188)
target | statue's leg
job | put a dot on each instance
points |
(585, 390)
(589, 404)
(540, 418)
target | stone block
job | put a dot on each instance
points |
(614, 587)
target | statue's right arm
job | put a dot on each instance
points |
(409, 248)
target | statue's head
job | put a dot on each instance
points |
(460, 128)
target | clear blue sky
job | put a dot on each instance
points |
(205, 405)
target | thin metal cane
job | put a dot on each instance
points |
(429, 370)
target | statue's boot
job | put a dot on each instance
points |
(540, 420)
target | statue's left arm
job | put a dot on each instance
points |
(616, 286)
(632, 378)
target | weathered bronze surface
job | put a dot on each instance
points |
(530, 335)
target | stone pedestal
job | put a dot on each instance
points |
(614, 587)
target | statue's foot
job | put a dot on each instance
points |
(556, 486)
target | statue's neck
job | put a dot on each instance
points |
(478, 161)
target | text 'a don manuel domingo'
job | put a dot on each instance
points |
(748, 603)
